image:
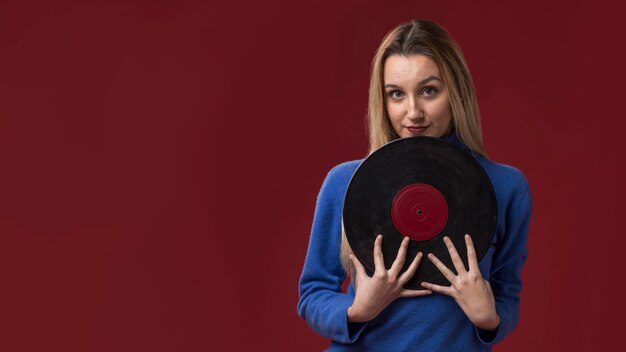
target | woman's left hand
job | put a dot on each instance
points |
(469, 289)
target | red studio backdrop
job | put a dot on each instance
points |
(161, 161)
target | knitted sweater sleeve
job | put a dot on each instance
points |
(509, 257)
(322, 303)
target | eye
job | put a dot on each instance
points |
(395, 94)
(429, 91)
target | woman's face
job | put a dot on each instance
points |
(415, 97)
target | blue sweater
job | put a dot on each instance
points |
(430, 323)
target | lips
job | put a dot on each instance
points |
(417, 129)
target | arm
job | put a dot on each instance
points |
(321, 303)
(508, 260)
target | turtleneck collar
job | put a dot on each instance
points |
(452, 138)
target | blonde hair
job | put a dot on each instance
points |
(424, 38)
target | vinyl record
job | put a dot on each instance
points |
(423, 188)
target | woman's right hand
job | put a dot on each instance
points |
(375, 293)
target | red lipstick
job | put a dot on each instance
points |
(417, 130)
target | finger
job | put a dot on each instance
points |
(448, 291)
(442, 267)
(414, 293)
(379, 262)
(471, 254)
(400, 258)
(360, 270)
(410, 271)
(454, 255)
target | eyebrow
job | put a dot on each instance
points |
(419, 83)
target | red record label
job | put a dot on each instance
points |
(419, 211)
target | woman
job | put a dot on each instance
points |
(420, 86)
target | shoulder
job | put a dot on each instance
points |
(504, 175)
(509, 184)
(338, 178)
(345, 169)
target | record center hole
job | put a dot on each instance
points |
(420, 212)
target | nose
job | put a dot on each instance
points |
(413, 110)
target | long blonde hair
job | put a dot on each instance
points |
(429, 39)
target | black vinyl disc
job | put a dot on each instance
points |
(423, 188)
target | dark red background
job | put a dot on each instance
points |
(161, 159)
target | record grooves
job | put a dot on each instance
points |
(423, 188)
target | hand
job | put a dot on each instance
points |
(375, 293)
(469, 289)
